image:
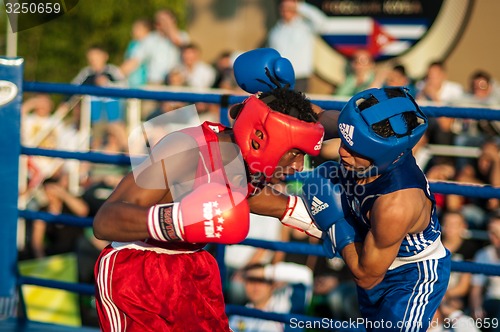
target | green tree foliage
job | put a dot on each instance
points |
(55, 51)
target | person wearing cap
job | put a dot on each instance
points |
(376, 211)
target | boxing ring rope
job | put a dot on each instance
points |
(478, 113)
(94, 157)
(224, 101)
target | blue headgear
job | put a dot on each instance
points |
(356, 128)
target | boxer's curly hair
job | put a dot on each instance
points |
(286, 101)
(290, 102)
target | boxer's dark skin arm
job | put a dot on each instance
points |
(269, 202)
(123, 216)
(329, 120)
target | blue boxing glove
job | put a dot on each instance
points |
(322, 193)
(339, 236)
(263, 70)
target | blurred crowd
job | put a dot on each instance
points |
(162, 56)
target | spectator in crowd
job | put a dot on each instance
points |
(397, 76)
(360, 76)
(39, 128)
(423, 154)
(436, 87)
(104, 111)
(173, 116)
(481, 89)
(483, 170)
(225, 80)
(36, 112)
(441, 172)
(334, 292)
(440, 132)
(160, 50)
(454, 234)
(271, 288)
(49, 238)
(238, 256)
(196, 72)
(485, 291)
(175, 78)
(99, 72)
(224, 76)
(450, 319)
(293, 37)
(141, 28)
(481, 92)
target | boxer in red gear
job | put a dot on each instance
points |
(155, 276)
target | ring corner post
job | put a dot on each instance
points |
(11, 80)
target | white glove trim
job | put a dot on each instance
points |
(297, 216)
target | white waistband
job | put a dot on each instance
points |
(435, 250)
(139, 245)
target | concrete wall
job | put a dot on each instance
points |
(479, 47)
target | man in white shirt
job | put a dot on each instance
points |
(159, 50)
(436, 87)
(293, 37)
(197, 74)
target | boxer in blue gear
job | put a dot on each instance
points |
(400, 266)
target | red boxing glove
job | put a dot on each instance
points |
(211, 213)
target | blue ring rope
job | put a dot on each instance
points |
(80, 288)
(469, 190)
(65, 219)
(476, 268)
(71, 89)
(95, 157)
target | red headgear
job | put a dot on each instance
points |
(281, 133)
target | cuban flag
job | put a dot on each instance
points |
(383, 37)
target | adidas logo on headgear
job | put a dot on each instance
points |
(318, 206)
(318, 145)
(347, 131)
